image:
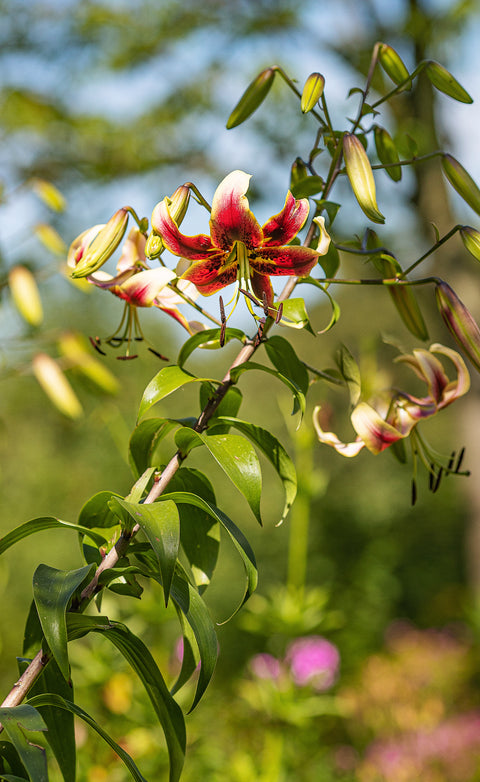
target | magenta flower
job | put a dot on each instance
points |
(400, 412)
(238, 248)
(313, 660)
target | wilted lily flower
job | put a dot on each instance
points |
(397, 415)
(238, 248)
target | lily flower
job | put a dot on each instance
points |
(238, 248)
(396, 417)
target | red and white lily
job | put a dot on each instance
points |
(238, 248)
(399, 414)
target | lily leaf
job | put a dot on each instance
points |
(96, 511)
(163, 384)
(46, 522)
(209, 338)
(235, 456)
(299, 396)
(145, 439)
(56, 701)
(52, 592)
(284, 358)
(17, 722)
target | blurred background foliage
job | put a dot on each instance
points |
(117, 103)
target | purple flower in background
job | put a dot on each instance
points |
(313, 660)
(265, 666)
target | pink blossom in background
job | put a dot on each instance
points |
(313, 660)
(265, 666)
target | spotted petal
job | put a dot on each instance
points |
(210, 277)
(143, 288)
(282, 228)
(194, 248)
(280, 261)
(231, 219)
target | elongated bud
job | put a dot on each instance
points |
(178, 203)
(360, 174)
(77, 351)
(471, 240)
(387, 153)
(50, 239)
(445, 82)
(154, 246)
(251, 99)
(461, 181)
(312, 91)
(25, 294)
(56, 385)
(404, 300)
(49, 194)
(459, 322)
(89, 251)
(393, 64)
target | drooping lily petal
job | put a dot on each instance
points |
(329, 438)
(238, 248)
(142, 289)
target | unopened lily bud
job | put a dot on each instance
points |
(471, 240)
(177, 206)
(445, 82)
(56, 385)
(178, 203)
(77, 351)
(23, 288)
(49, 194)
(404, 299)
(392, 64)
(312, 91)
(93, 248)
(360, 174)
(459, 322)
(50, 238)
(387, 153)
(461, 181)
(154, 246)
(251, 99)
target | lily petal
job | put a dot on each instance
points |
(281, 261)
(133, 250)
(231, 219)
(329, 438)
(194, 248)
(429, 369)
(376, 433)
(261, 285)
(142, 289)
(210, 277)
(281, 228)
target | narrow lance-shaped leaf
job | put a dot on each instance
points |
(387, 153)
(56, 701)
(360, 174)
(17, 722)
(161, 525)
(43, 523)
(350, 372)
(144, 440)
(237, 459)
(139, 657)
(52, 592)
(163, 384)
(283, 357)
(275, 453)
(252, 98)
(208, 338)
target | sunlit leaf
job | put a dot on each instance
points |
(208, 338)
(164, 383)
(43, 523)
(18, 721)
(299, 396)
(350, 372)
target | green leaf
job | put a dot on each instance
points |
(10, 762)
(96, 512)
(329, 262)
(60, 726)
(403, 297)
(161, 525)
(52, 592)
(229, 405)
(350, 372)
(252, 98)
(283, 357)
(299, 396)
(387, 153)
(275, 453)
(209, 338)
(163, 384)
(145, 439)
(56, 701)
(43, 523)
(122, 581)
(446, 83)
(308, 186)
(295, 311)
(239, 540)
(237, 459)
(136, 492)
(199, 531)
(17, 722)
(139, 657)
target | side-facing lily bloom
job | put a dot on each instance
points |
(238, 248)
(398, 414)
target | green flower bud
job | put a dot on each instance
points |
(25, 294)
(312, 91)
(178, 203)
(459, 322)
(360, 174)
(445, 82)
(393, 64)
(154, 246)
(89, 251)
(387, 153)
(251, 99)
(471, 240)
(461, 181)
(404, 299)
(56, 385)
